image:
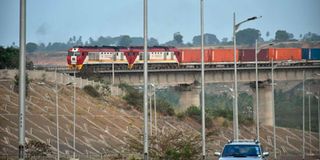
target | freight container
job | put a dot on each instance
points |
(194, 55)
(224, 55)
(280, 54)
(247, 55)
(311, 53)
(263, 55)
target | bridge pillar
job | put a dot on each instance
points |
(265, 104)
(189, 96)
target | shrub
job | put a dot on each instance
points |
(37, 149)
(164, 107)
(133, 96)
(90, 90)
(181, 116)
(194, 113)
(171, 144)
(16, 83)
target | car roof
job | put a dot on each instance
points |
(243, 142)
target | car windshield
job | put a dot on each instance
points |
(241, 151)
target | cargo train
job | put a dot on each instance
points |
(86, 58)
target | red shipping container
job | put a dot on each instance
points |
(194, 55)
(224, 55)
(280, 54)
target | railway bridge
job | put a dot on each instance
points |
(188, 78)
(191, 76)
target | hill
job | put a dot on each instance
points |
(103, 125)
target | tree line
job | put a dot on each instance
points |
(244, 37)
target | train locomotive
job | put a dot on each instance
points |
(88, 58)
(100, 58)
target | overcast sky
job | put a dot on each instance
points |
(57, 20)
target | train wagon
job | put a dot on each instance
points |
(284, 54)
(311, 53)
(210, 55)
(224, 55)
(194, 56)
(248, 55)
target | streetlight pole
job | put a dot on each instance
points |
(303, 116)
(273, 112)
(155, 107)
(155, 112)
(257, 91)
(22, 79)
(309, 118)
(74, 113)
(235, 111)
(113, 58)
(145, 73)
(317, 97)
(202, 82)
(150, 112)
(57, 116)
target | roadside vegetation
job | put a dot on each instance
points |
(38, 150)
(288, 107)
(171, 144)
(90, 90)
(134, 97)
(9, 58)
(221, 106)
(16, 83)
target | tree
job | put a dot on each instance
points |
(209, 39)
(267, 34)
(311, 37)
(9, 57)
(102, 41)
(79, 41)
(224, 40)
(41, 47)
(153, 42)
(282, 35)
(178, 38)
(124, 40)
(31, 47)
(248, 36)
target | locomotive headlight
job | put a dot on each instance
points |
(73, 59)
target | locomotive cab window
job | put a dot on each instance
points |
(73, 53)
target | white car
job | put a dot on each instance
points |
(242, 150)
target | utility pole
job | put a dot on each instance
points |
(257, 91)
